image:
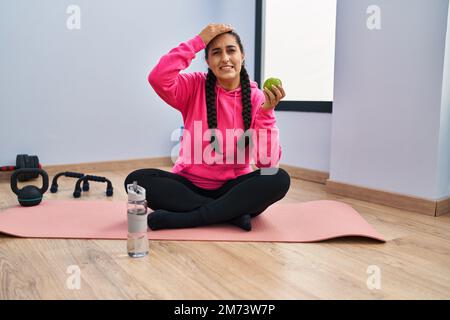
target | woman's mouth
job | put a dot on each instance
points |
(226, 68)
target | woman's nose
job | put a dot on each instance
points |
(225, 58)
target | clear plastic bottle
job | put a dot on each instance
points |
(137, 243)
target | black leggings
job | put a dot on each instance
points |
(250, 194)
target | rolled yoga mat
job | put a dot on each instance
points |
(282, 222)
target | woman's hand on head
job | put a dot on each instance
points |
(273, 97)
(212, 30)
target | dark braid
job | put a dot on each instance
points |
(245, 92)
(246, 103)
(211, 101)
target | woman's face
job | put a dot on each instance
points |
(225, 60)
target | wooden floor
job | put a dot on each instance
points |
(414, 263)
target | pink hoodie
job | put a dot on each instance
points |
(186, 93)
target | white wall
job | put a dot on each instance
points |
(305, 139)
(443, 173)
(82, 95)
(387, 96)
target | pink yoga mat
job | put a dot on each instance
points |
(292, 222)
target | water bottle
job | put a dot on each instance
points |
(137, 243)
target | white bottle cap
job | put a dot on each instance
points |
(135, 192)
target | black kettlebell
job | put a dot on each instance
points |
(29, 195)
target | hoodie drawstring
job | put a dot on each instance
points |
(217, 106)
(234, 111)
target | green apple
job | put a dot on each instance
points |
(272, 81)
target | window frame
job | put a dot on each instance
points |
(291, 105)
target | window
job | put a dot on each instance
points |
(295, 42)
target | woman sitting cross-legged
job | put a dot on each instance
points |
(213, 181)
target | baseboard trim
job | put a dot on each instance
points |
(443, 206)
(306, 174)
(421, 205)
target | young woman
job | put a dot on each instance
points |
(200, 191)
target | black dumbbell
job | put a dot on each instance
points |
(24, 161)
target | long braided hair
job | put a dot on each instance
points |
(245, 93)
